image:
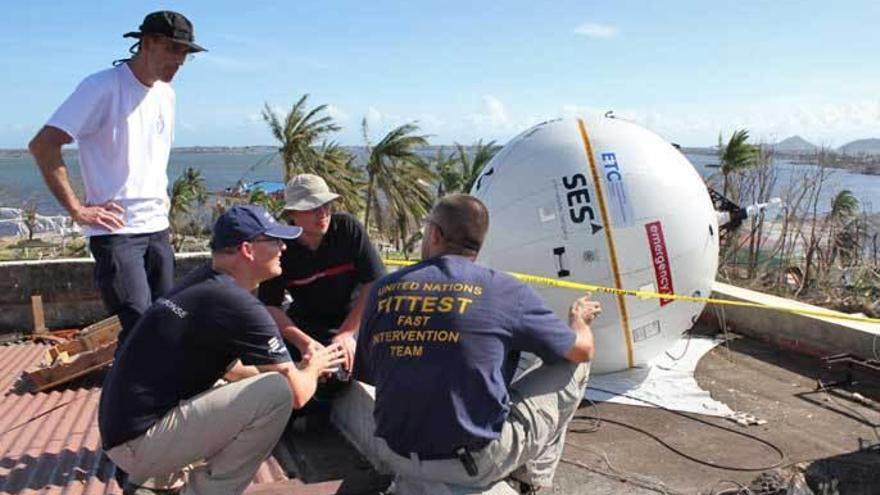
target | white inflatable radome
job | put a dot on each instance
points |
(606, 202)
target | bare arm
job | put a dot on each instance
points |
(46, 150)
(303, 379)
(293, 333)
(580, 315)
(238, 371)
(349, 327)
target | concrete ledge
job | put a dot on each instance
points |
(814, 335)
(70, 299)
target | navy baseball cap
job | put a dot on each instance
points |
(244, 223)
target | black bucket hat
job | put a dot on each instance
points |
(170, 24)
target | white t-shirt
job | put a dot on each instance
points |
(124, 131)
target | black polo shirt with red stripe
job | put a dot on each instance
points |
(322, 283)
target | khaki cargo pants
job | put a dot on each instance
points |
(219, 437)
(543, 401)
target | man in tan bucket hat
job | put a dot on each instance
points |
(328, 272)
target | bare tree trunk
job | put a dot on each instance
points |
(371, 184)
(810, 271)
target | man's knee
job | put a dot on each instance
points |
(273, 391)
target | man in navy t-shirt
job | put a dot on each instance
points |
(441, 340)
(160, 411)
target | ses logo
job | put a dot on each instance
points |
(580, 204)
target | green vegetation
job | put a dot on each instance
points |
(735, 157)
(399, 184)
(829, 259)
(299, 134)
(396, 187)
(188, 194)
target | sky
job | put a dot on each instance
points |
(464, 71)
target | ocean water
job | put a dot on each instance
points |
(20, 179)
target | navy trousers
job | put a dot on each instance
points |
(131, 271)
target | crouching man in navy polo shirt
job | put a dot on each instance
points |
(159, 411)
(441, 340)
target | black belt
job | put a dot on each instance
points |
(473, 446)
(432, 457)
(463, 454)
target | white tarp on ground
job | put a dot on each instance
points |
(668, 381)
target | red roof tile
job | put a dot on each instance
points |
(49, 441)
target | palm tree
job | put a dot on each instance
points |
(737, 155)
(271, 203)
(472, 165)
(398, 180)
(447, 168)
(844, 225)
(409, 203)
(187, 189)
(337, 167)
(844, 206)
(298, 133)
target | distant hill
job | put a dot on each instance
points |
(861, 147)
(794, 144)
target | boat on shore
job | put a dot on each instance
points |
(243, 189)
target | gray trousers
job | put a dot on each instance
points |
(543, 401)
(219, 437)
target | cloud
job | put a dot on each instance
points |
(374, 116)
(430, 121)
(185, 125)
(379, 122)
(496, 113)
(493, 115)
(254, 116)
(593, 30)
(768, 120)
(338, 114)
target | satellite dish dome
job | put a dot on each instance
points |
(606, 202)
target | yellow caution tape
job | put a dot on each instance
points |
(564, 284)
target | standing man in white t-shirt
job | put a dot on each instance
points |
(123, 121)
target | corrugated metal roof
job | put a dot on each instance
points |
(49, 442)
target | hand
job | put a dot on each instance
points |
(326, 360)
(107, 215)
(310, 347)
(585, 310)
(349, 345)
